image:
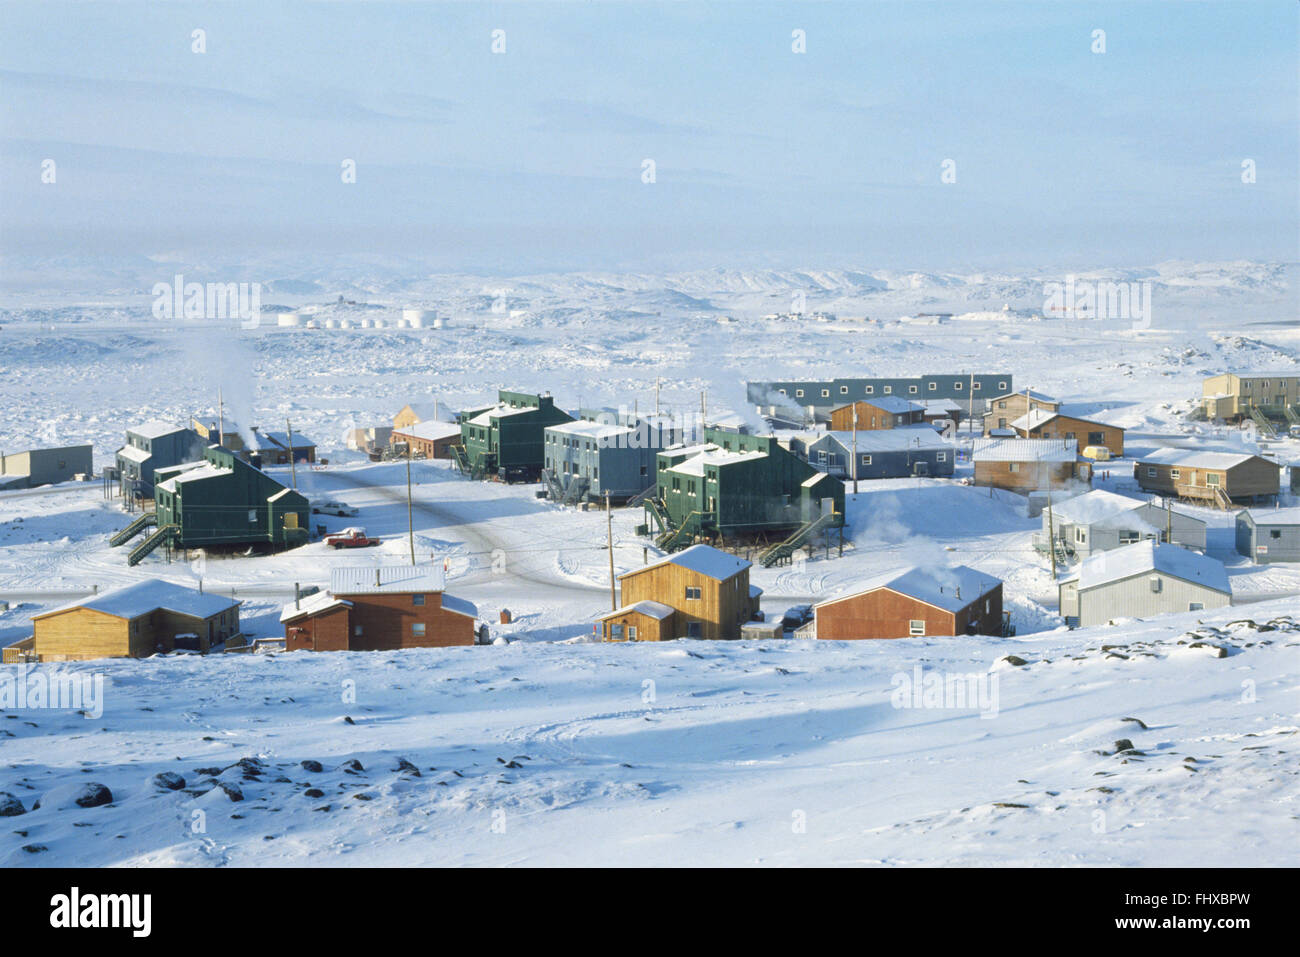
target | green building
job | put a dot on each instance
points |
(222, 500)
(508, 439)
(736, 484)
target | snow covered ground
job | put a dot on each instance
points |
(781, 752)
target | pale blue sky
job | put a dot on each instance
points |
(531, 160)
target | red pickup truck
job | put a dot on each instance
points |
(350, 538)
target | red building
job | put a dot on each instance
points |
(916, 601)
(379, 609)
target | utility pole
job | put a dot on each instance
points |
(221, 419)
(1169, 521)
(410, 521)
(293, 466)
(609, 531)
(1051, 532)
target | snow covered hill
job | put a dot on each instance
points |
(1174, 742)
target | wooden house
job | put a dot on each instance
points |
(429, 439)
(1141, 580)
(379, 609)
(1210, 478)
(413, 413)
(885, 412)
(917, 601)
(1005, 409)
(1046, 424)
(1269, 535)
(1027, 465)
(135, 621)
(700, 592)
(1099, 521)
(885, 453)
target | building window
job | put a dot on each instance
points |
(1128, 537)
(957, 386)
(616, 631)
(866, 460)
(357, 631)
(1013, 466)
(1212, 479)
(826, 393)
(911, 389)
(1151, 473)
(941, 456)
(844, 390)
(693, 629)
(1195, 606)
(1002, 387)
(1275, 533)
(692, 593)
(1174, 473)
(934, 386)
(870, 389)
(975, 386)
(798, 393)
(417, 629)
(417, 599)
(1080, 536)
(889, 389)
(631, 632)
(915, 627)
(1155, 583)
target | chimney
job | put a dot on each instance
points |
(296, 594)
(377, 581)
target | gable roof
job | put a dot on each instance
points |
(1149, 556)
(703, 559)
(431, 430)
(386, 579)
(321, 601)
(651, 609)
(155, 429)
(1272, 516)
(916, 437)
(1094, 506)
(891, 403)
(951, 588)
(132, 601)
(1024, 450)
(1198, 458)
(1036, 396)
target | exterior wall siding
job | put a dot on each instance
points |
(884, 613)
(1133, 598)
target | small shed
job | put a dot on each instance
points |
(641, 621)
(1269, 535)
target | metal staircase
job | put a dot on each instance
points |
(1291, 415)
(677, 538)
(122, 536)
(163, 534)
(554, 488)
(1265, 426)
(657, 511)
(782, 551)
(640, 497)
(462, 460)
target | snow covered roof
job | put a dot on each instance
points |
(591, 430)
(951, 588)
(941, 405)
(1033, 419)
(314, 604)
(1036, 396)
(704, 559)
(1273, 516)
(430, 430)
(1024, 450)
(155, 429)
(1149, 556)
(132, 601)
(892, 440)
(423, 410)
(460, 606)
(132, 454)
(894, 403)
(199, 472)
(1092, 507)
(386, 579)
(1196, 458)
(652, 609)
(712, 455)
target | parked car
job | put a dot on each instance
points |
(796, 616)
(350, 538)
(334, 508)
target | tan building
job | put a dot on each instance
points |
(700, 592)
(1211, 478)
(429, 439)
(379, 609)
(1231, 396)
(135, 621)
(415, 412)
(1028, 465)
(1045, 424)
(1005, 409)
(886, 412)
